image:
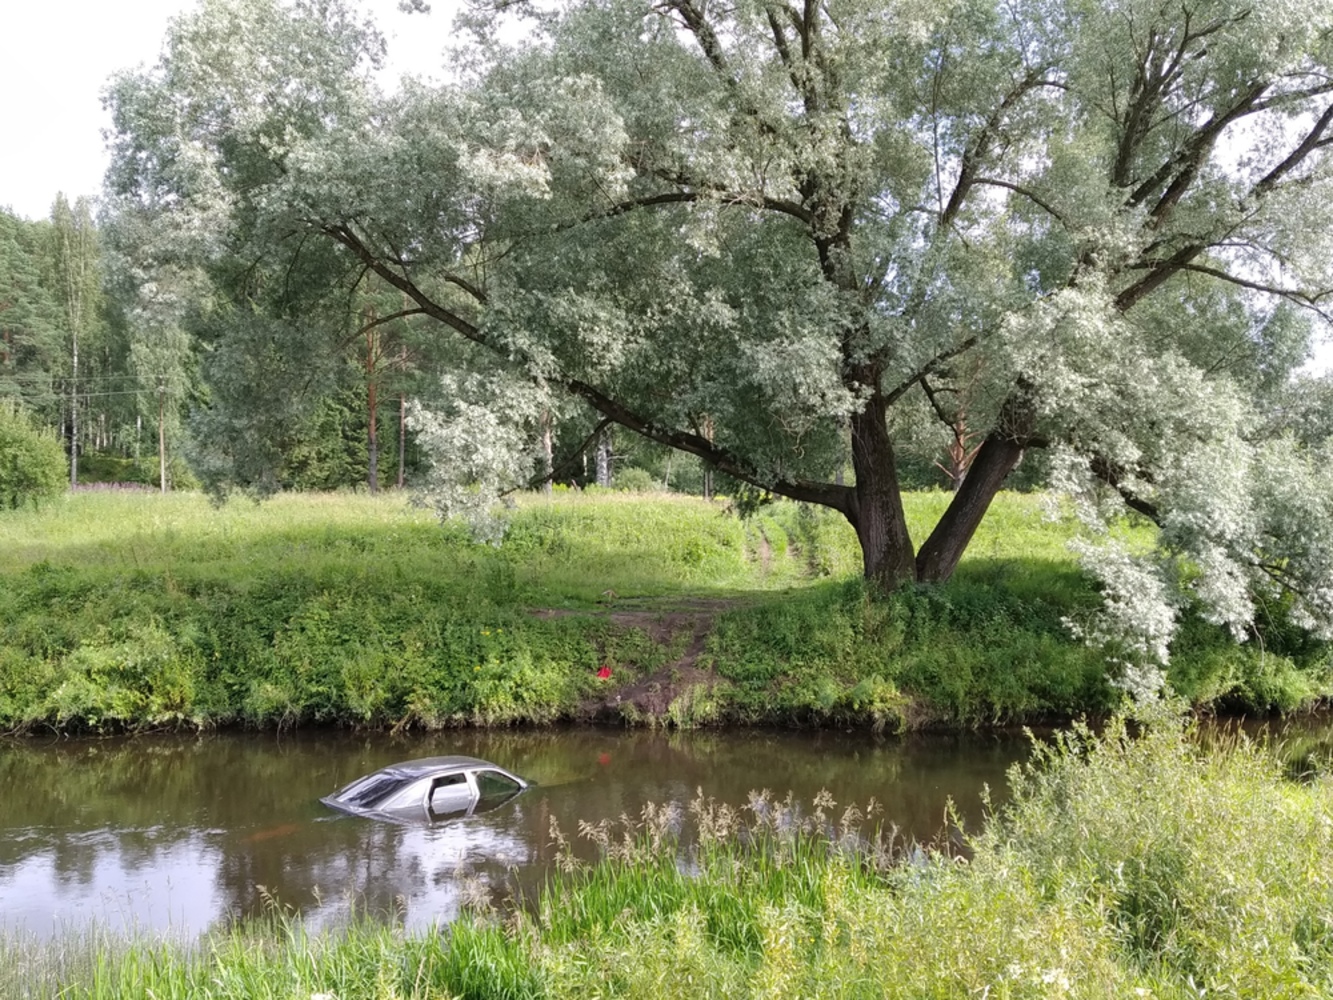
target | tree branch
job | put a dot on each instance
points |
(694, 19)
(468, 287)
(1027, 193)
(1307, 300)
(602, 425)
(1312, 141)
(1113, 476)
(344, 235)
(928, 368)
(826, 494)
(935, 404)
(808, 491)
(975, 152)
(389, 319)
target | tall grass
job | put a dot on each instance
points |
(132, 611)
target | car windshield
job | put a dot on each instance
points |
(374, 789)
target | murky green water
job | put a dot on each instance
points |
(170, 833)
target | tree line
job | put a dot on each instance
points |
(104, 354)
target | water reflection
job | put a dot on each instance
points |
(181, 833)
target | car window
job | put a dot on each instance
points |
(493, 784)
(450, 794)
(372, 790)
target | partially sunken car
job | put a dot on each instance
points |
(428, 790)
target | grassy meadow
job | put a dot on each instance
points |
(1122, 866)
(135, 610)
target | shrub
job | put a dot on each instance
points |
(636, 480)
(32, 462)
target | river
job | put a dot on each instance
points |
(180, 833)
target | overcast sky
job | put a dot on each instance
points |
(55, 58)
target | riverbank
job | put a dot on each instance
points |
(1119, 867)
(139, 611)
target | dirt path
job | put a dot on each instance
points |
(664, 621)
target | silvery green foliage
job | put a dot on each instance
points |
(1137, 619)
(777, 220)
(1245, 518)
(481, 438)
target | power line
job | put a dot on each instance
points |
(54, 398)
(41, 378)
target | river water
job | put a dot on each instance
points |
(178, 834)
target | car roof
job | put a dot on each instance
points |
(425, 765)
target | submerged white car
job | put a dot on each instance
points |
(428, 790)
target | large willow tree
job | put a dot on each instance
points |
(751, 230)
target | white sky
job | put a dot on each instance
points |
(55, 58)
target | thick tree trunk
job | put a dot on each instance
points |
(877, 508)
(996, 458)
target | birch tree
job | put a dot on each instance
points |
(76, 268)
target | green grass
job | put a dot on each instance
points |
(139, 610)
(1144, 865)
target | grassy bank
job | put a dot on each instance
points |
(1143, 867)
(134, 610)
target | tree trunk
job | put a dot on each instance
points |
(877, 509)
(996, 458)
(708, 431)
(548, 453)
(402, 436)
(162, 436)
(604, 458)
(74, 413)
(373, 440)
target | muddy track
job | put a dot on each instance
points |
(664, 621)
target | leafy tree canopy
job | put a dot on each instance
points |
(751, 231)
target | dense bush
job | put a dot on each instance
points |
(32, 462)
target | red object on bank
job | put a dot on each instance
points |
(604, 673)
